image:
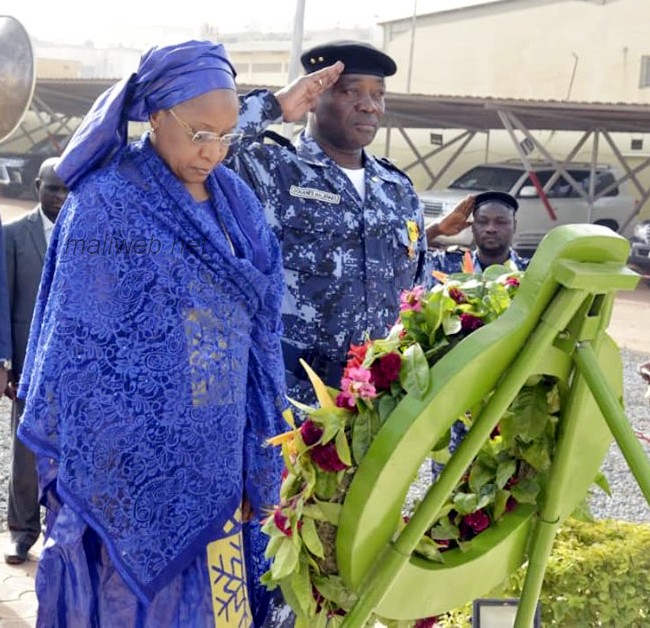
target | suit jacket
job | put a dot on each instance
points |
(25, 248)
(5, 326)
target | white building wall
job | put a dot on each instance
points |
(528, 49)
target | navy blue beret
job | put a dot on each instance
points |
(358, 57)
(493, 196)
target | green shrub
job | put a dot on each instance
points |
(598, 575)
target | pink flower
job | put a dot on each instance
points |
(385, 371)
(512, 281)
(356, 384)
(457, 295)
(411, 299)
(469, 322)
(326, 457)
(310, 432)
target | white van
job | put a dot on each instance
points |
(613, 203)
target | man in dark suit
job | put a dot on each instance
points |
(26, 241)
(5, 328)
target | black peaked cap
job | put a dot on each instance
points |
(358, 57)
(493, 196)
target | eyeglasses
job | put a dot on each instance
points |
(206, 137)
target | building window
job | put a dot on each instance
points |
(645, 72)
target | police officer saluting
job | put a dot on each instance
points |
(493, 227)
(350, 224)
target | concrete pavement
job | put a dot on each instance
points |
(17, 595)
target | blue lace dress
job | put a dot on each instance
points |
(153, 378)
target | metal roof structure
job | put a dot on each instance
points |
(482, 114)
(73, 98)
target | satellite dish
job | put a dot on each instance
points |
(17, 74)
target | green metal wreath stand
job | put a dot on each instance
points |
(556, 326)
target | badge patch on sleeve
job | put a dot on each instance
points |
(414, 235)
(315, 195)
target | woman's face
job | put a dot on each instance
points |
(190, 160)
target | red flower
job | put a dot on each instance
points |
(326, 458)
(457, 295)
(496, 431)
(511, 504)
(469, 322)
(282, 522)
(512, 281)
(310, 432)
(426, 622)
(385, 371)
(478, 521)
(357, 355)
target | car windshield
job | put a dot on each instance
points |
(483, 178)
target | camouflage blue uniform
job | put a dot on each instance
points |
(451, 261)
(346, 259)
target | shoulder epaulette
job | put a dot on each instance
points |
(278, 139)
(389, 165)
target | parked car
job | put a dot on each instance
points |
(639, 259)
(612, 209)
(19, 169)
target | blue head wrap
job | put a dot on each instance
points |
(167, 76)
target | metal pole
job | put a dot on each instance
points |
(294, 61)
(410, 68)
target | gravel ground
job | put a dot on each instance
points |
(626, 503)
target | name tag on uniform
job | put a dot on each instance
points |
(314, 194)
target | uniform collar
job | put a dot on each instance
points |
(310, 151)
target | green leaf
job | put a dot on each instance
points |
(299, 582)
(527, 417)
(537, 455)
(525, 491)
(466, 502)
(274, 545)
(495, 272)
(310, 537)
(414, 374)
(444, 530)
(601, 481)
(331, 512)
(326, 484)
(331, 420)
(432, 310)
(451, 324)
(500, 501)
(286, 559)
(479, 476)
(505, 471)
(333, 588)
(428, 549)
(343, 449)
(385, 406)
(362, 434)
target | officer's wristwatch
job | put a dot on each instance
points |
(5, 364)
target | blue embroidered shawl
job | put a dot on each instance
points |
(154, 373)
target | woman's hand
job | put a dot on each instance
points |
(301, 95)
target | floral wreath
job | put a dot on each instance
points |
(322, 455)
